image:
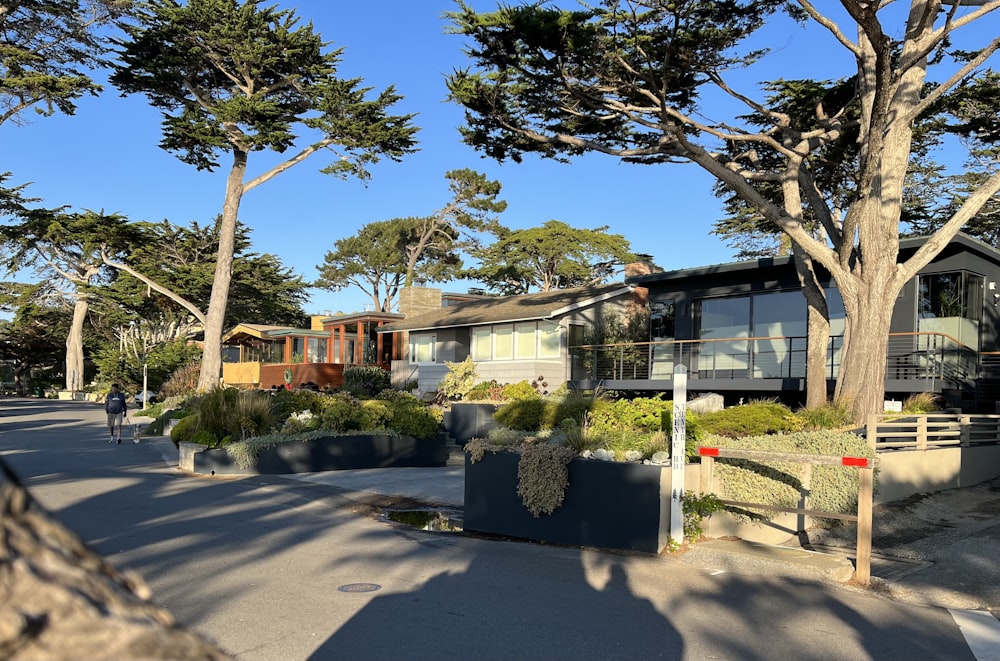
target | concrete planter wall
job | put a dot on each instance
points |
(607, 505)
(324, 454)
(467, 420)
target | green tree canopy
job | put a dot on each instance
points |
(387, 255)
(458, 225)
(67, 248)
(34, 338)
(48, 49)
(237, 77)
(377, 259)
(553, 256)
(181, 259)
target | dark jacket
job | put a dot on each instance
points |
(115, 402)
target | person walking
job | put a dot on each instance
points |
(115, 406)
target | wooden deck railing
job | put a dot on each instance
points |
(887, 431)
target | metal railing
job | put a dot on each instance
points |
(909, 356)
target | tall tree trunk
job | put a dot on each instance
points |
(817, 345)
(211, 361)
(74, 345)
(817, 325)
(22, 372)
(861, 382)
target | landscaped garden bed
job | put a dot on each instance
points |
(329, 453)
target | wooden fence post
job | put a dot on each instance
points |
(921, 432)
(805, 486)
(871, 430)
(863, 567)
(707, 484)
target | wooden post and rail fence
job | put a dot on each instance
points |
(865, 466)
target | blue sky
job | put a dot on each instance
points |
(106, 157)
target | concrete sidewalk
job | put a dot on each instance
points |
(947, 577)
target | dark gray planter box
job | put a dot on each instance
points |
(607, 505)
(467, 420)
(332, 453)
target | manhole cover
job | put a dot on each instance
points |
(360, 587)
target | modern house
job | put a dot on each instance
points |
(740, 330)
(257, 356)
(510, 339)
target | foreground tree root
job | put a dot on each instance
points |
(60, 600)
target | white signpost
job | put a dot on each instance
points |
(679, 433)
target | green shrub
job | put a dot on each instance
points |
(230, 412)
(365, 380)
(341, 412)
(640, 414)
(459, 380)
(253, 415)
(413, 418)
(300, 422)
(830, 415)
(203, 437)
(184, 431)
(752, 419)
(832, 489)
(698, 507)
(374, 414)
(566, 406)
(489, 391)
(524, 414)
(498, 439)
(518, 391)
(285, 403)
(217, 411)
(392, 395)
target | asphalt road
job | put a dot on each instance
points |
(272, 569)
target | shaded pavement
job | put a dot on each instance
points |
(277, 568)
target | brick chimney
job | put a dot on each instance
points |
(414, 300)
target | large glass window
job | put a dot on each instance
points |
(779, 318)
(482, 343)
(423, 348)
(503, 342)
(661, 327)
(951, 304)
(298, 349)
(548, 346)
(316, 350)
(724, 320)
(525, 340)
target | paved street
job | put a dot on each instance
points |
(265, 566)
